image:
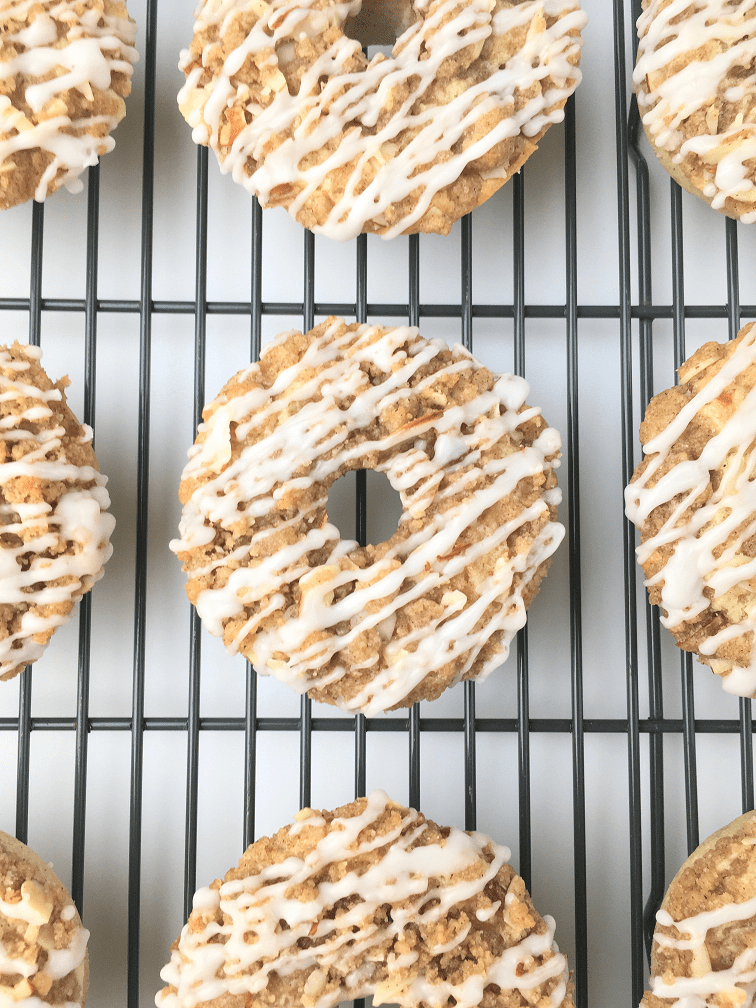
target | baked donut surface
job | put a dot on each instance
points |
(65, 68)
(369, 628)
(43, 947)
(704, 948)
(54, 532)
(694, 499)
(389, 145)
(371, 898)
(695, 80)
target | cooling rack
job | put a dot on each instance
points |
(140, 758)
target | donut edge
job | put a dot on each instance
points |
(70, 422)
(17, 850)
(425, 224)
(710, 357)
(348, 810)
(27, 180)
(729, 831)
(683, 179)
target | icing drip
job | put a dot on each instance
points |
(70, 51)
(254, 947)
(738, 981)
(713, 40)
(303, 426)
(700, 571)
(51, 552)
(391, 149)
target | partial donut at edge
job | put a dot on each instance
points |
(371, 898)
(394, 145)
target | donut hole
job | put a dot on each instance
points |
(376, 27)
(384, 506)
(379, 23)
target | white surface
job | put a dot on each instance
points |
(51, 788)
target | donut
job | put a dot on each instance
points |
(694, 499)
(43, 947)
(695, 79)
(368, 628)
(704, 948)
(65, 68)
(372, 898)
(389, 145)
(54, 532)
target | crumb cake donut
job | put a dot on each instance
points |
(704, 948)
(388, 145)
(696, 85)
(43, 947)
(374, 627)
(694, 500)
(54, 534)
(371, 898)
(65, 68)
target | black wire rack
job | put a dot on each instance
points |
(648, 668)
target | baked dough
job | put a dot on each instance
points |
(704, 950)
(389, 145)
(65, 68)
(43, 947)
(376, 627)
(695, 80)
(371, 898)
(54, 532)
(694, 499)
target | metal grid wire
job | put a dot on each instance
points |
(635, 313)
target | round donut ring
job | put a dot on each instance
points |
(371, 898)
(389, 145)
(694, 80)
(369, 628)
(44, 959)
(704, 951)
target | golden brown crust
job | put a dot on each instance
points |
(26, 880)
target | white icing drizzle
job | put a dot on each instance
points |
(97, 44)
(299, 441)
(314, 119)
(694, 991)
(693, 569)
(697, 84)
(78, 518)
(201, 971)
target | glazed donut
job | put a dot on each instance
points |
(55, 532)
(65, 68)
(388, 145)
(374, 627)
(694, 499)
(369, 899)
(43, 947)
(704, 949)
(695, 85)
